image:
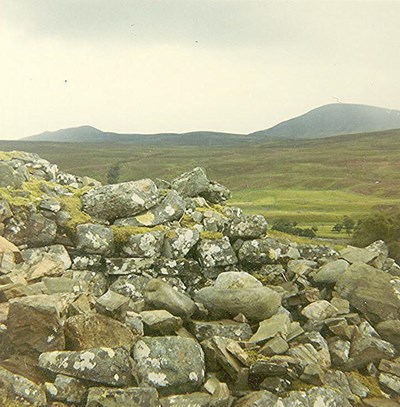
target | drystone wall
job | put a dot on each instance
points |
(157, 293)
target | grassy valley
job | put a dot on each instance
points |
(313, 182)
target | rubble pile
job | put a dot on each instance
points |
(156, 293)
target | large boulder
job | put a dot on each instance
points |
(247, 227)
(253, 300)
(145, 245)
(94, 239)
(120, 200)
(101, 365)
(171, 364)
(370, 291)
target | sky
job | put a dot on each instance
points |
(148, 66)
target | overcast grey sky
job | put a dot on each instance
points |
(181, 65)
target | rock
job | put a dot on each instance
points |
(368, 347)
(261, 251)
(127, 397)
(94, 331)
(131, 286)
(319, 310)
(145, 245)
(161, 321)
(277, 324)
(235, 280)
(215, 253)
(94, 239)
(9, 177)
(339, 350)
(172, 207)
(67, 389)
(257, 399)
(216, 193)
(55, 252)
(120, 200)
(358, 255)
(160, 295)
(22, 389)
(390, 331)
(173, 365)
(5, 210)
(193, 183)
(101, 365)
(35, 323)
(255, 304)
(187, 400)
(226, 328)
(247, 227)
(390, 382)
(179, 241)
(275, 346)
(46, 267)
(113, 305)
(134, 265)
(330, 272)
(370, 291)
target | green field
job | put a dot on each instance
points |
(313, 182)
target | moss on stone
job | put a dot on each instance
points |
(73, 205)
(211, 235)
(299, 385)
(255, 356)
(122, 233)
(370, 382)
(187, 222)
(9, 155)
(262, 278)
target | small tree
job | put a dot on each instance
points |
(337, 228)
(348, 224)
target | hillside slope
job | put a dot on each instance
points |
(334, 119)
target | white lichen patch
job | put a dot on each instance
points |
(193, 377)
(142, 351)
(169, 210)
(50, 338)
(137, 199)
(85, 361)
(158, 379)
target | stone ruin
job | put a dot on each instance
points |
(156, 293)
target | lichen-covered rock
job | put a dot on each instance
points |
(56, 252)
(179, 241)
(258, 399)
(160, 321)
(358, 255)
(247, 227)
(101, 365)
(330, 272)
(67, 389)
(173, 365)
(93, 331)
(9, 177)
(127, 397)
(226, 328)
(113, 305)
(21, 389)
(120, 200)
(35, 323)
(215, 253)
(319, 310)
(94, 239)
(171, 208)
(187, 400)
(5, 210)
(131, 286)
(135, 265)
(192, 183)
(216, 193)
(30, 228)
(370, 291)
(160, 295)
(145, 245)
(261, 251)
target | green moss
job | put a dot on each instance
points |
(262, 278)
(213, 208)
(370, 382)
(299, 385)
(73, 205)
(254, 356)
(122, 233)
(9, 155)
(187, 221)
(211, 235)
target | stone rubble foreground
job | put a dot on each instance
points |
(156, 293)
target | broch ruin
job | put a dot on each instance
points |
(157, 293)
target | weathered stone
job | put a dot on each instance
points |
(67, 389)
(390, 382)
(9, 177)
(275, 346)
(87, 262)
(215, 253)
(22, 389)
(390, 331)
(358, 255)
(35, 323)
(330, 272)
(120, 200)
(160, 295)
(135, 265)
(319, 310)
(46, 267)
(94, 239)
(5, 210)
(179, 241)
(101, 365)
(370, 291)
(127, 397)
(145, 245)
(277, 324)
(161, 321)
(94, 330)
(113, 305)
(255, 304)
(187, 400)
(257, 399)
(339, 350)
(191, 183)
(56, 252)
(131, 286)
(172, 364)
(171, 208)
(226, 328)
(247, 227)
(261, 251)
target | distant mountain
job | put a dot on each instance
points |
(325, 121)
(332, 120)
(89, 134)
